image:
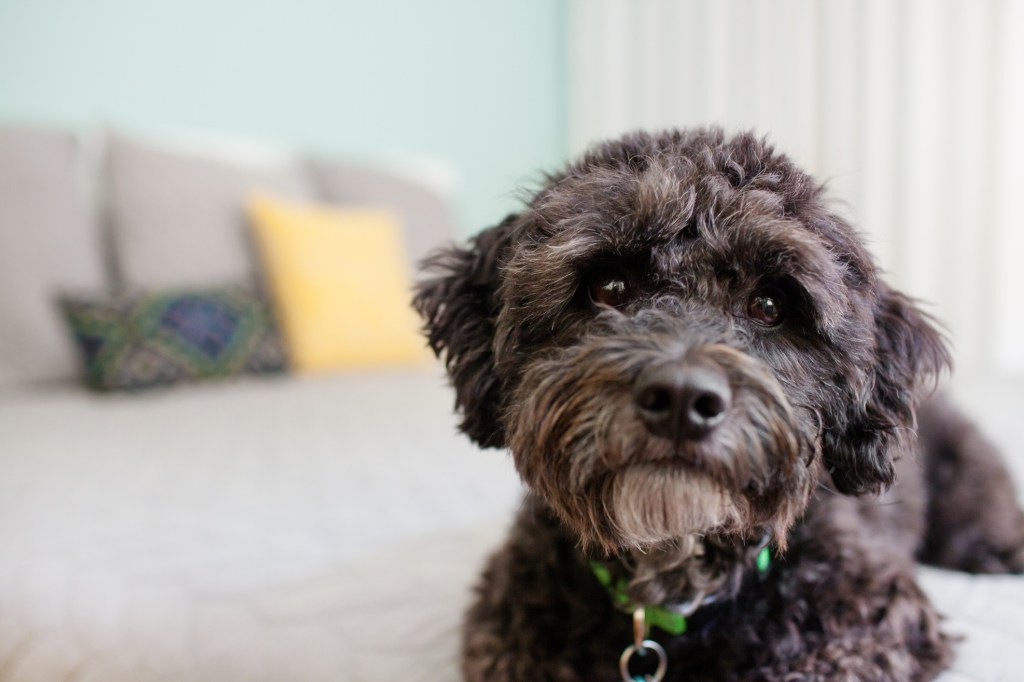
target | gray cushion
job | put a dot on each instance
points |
(178, 220)
(48, 243)
(427, 219)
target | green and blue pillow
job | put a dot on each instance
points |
(130, 342)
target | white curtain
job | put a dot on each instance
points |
(911, 110)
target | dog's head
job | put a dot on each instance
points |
(674, 336)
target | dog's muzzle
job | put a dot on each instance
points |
(656, 426)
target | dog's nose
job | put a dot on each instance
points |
(681, 401)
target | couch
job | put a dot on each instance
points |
(281, 527)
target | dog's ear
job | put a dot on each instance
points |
(909, 355)
(459, 306)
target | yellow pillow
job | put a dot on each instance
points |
(339, 282)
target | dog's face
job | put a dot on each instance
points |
(673, 338)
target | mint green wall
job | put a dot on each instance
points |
(478, 84)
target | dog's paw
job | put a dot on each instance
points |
(992, 559)
(1010, 560)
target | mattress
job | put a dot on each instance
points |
(310, 528)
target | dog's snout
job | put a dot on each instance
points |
(682, 401)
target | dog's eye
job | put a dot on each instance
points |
(611, 289)
(765, 309)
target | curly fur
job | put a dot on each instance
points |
(820, 424)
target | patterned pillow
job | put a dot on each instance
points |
(129, 342)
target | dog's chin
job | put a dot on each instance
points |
(656, 502)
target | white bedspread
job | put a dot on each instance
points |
(282, 530)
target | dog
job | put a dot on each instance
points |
(719, 410)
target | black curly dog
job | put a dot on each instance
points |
(689, 356)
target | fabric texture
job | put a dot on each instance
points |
(340, 284)
(426, 218)
(48, 242)
(178, 220)
(243, 531)
(134, 342)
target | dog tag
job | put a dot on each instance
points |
(645, 646)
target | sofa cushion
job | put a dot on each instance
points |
(340, 284)
(426, 218)
(177, 217)
(48, 242)
(138, 341)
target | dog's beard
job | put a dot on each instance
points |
(579, 442)
(650, 503)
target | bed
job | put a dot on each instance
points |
(302, 528)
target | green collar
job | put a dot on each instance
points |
(671, 621)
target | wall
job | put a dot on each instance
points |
(476, 87)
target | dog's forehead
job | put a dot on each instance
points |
(671, 214)
(674, 193)
(654, 208)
